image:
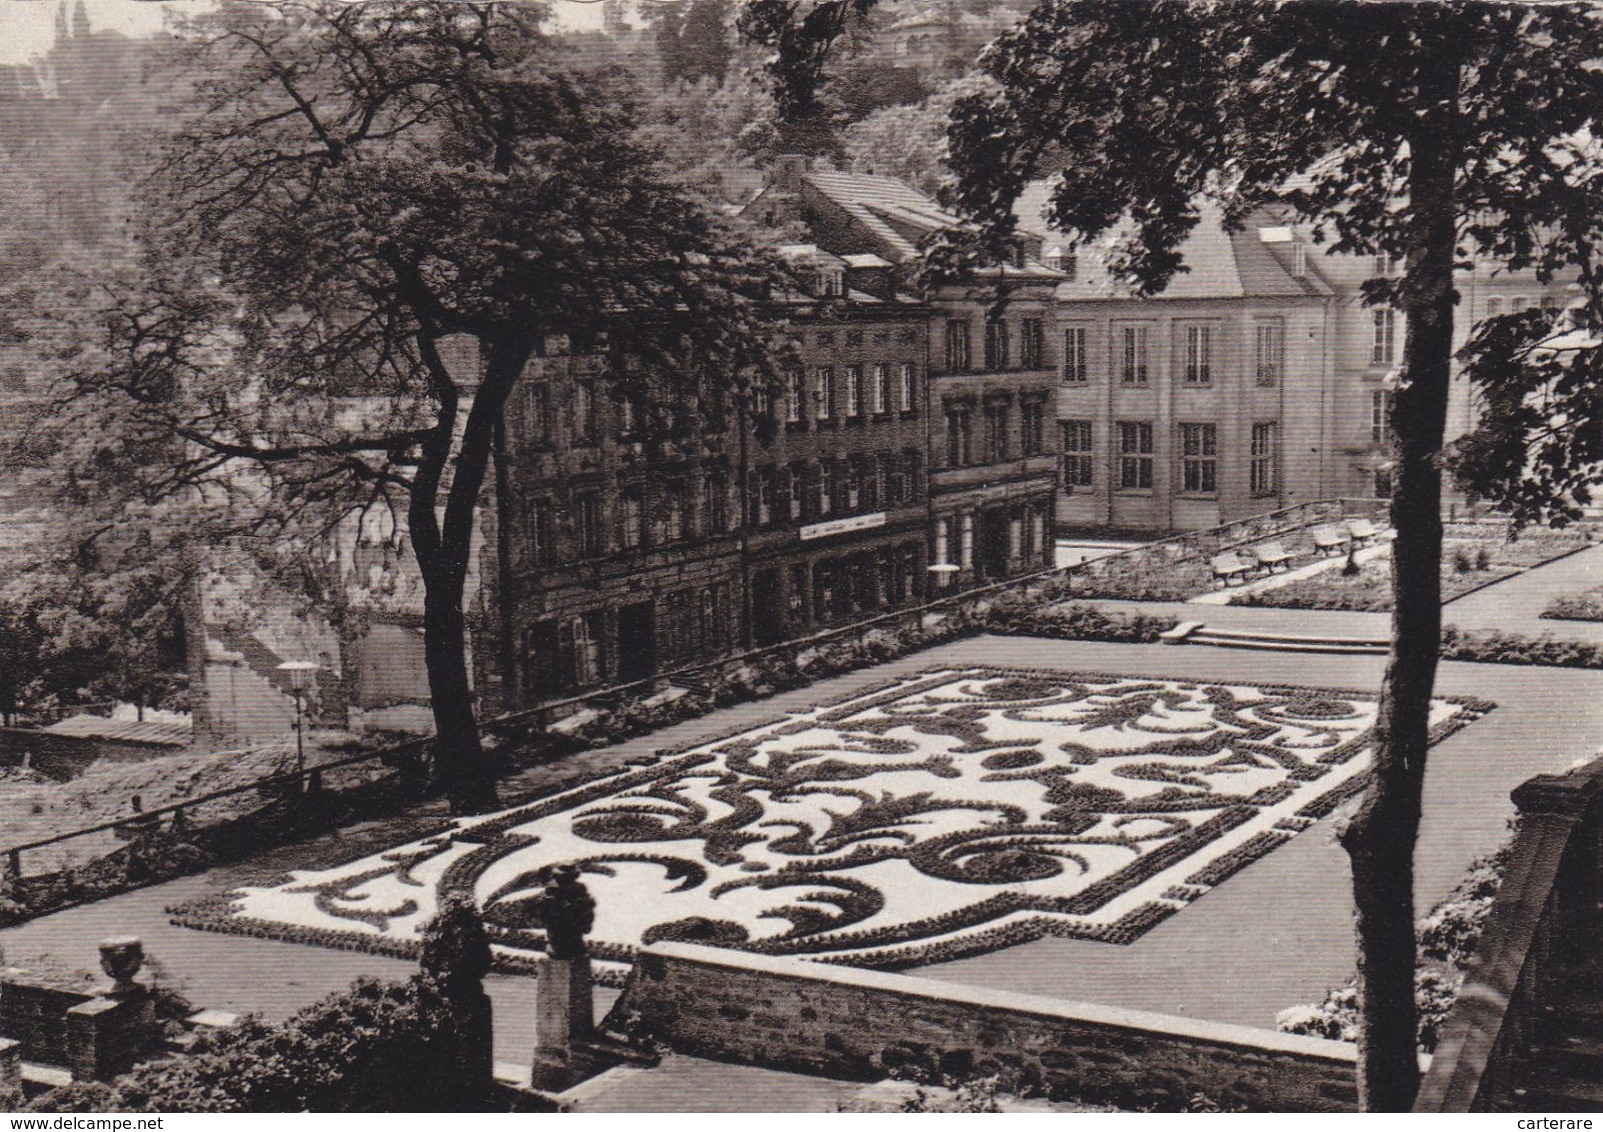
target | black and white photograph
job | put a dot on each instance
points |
(801, 556)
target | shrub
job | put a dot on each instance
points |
(374, 1048)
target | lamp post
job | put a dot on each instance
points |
(299, 672)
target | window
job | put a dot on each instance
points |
(1517, 304)
(796, 593)
(542, 546)
(867, 472)
(882, 389)
(1494, 306)
(996, 345)
(584, 412)
(794, 485)
(1076, 454)
(904, 389)
(852, 474)
(913, 460)
(626, 416)
(1074, 370)
(631, 513)
(1135, 455)
(957, 346)
(1385, 341)
(1269, 352)
(1385, 266)
(965, 550)
(891, 471)
(959, 437)
(1199, 458)
(1032, 344)
(669, 522)
(1032, 434)
(587, 523)
(537, 413)
(793, 397)
(1379, 415)
(715, 502)
(1265, 476)
(587, 640)
(1199, 355)
(854, 392)
(837, 485)
(1133, 370)
(824, 393)
(762, 499)
(822, 490)
(996, 422)
(762, 403)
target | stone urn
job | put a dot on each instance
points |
(121, 958)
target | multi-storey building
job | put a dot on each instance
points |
(619, 553)
(1259, 378)
(838, 492)
(991, 452)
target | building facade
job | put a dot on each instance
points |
(1258, 379)
(616, 552)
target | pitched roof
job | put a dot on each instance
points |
(1218, 264)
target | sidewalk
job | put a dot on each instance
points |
(1515, 604)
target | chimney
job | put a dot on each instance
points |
(787, 171)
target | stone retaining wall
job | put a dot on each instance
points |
(850, 1023)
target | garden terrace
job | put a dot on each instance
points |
(1474, 555)
(947, 813)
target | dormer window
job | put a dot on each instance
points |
(832, 282)
(1061, 259)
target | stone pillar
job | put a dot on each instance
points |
(10, 1074)
(564, 1018)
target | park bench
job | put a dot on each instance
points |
(1271, 555)
(1330, 540)
(1228, 568)
(1363, 531)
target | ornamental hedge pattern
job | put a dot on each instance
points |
(937, 815)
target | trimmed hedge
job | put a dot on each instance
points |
(1497, 647)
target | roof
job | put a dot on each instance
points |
(1258, 262)
(121, 731)
(867, 259)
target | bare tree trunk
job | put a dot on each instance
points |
(1381, 836)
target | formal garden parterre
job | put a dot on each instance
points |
(947, 813)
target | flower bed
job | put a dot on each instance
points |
(1369, 591)
(1496, 647)
(943, 814)
(1586, 606)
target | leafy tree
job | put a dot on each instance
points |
(693, 40)
(909, 142)
(800, 37)
(1423, 131)
(369, 221)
